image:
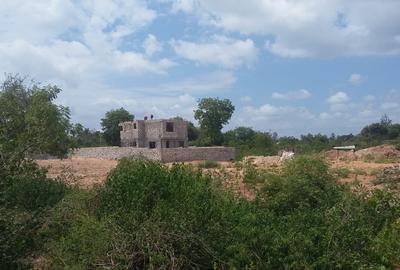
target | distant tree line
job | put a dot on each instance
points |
(213, 114)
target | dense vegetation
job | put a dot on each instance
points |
(250, 142)
(147, 216)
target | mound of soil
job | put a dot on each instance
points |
(335, 154)
(382, 151)
(264, 161)
(387, 151)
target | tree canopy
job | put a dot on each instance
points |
(110, 125)
(30, 121)
(213, 114)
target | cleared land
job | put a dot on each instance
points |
(363, 167)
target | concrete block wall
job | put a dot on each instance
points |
(164, 155)
(115, 152)
(197, 153)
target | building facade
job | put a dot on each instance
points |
(158, 133)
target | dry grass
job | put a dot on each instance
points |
(88, 172)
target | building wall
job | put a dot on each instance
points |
(164, 155)
(197, 153)
(115, 152)
(153, 131)
(128, 134)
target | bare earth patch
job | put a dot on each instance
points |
(88, 172)
(84, 172)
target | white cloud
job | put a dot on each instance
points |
(326, 116)
(270, 111)
(221, 51)
(299, 94)
(151, 45)
(338, 98)
(74, 41)
(183, 5)
(91, 99)
(311, 28)
(245, 99)
(286, 120)
(356, 79)
(218, 80)
(389, 105)
(369, 98)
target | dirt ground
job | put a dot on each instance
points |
(87, 172)
(84, 172)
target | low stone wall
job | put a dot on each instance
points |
(116, 152)
(164, 155)
(197, 153)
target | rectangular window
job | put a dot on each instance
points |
(134, 125)
(152, 144)
(134, 144)
(181, 144)
(170, 127)
(167, 144)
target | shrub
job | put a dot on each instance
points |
(387, 243)
(305, 183)
(397, 146)
(208, 164)
(174, 215)
(86, 245)
(25, 199)
(342, 172)
(149, 216)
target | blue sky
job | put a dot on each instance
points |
(292, 67)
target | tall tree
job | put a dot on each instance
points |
(110, 125)
(30, 122)
(213, 114)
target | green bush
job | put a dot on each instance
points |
(25, 199)
(177, 210)
(342, 172)
(149, 216)
(397, 146)
(305, 183)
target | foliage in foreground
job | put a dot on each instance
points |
(150, 217)
(25, 199)
(30, 122)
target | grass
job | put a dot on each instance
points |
(342, 172)
(208, 164)
(379, 159)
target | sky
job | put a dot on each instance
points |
(291, 67)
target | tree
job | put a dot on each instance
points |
(110, 125)
(193, 132)
(30, 122)
(84, 137)
(213, 114)
(385, 120)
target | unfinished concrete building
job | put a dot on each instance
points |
(158, 133)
